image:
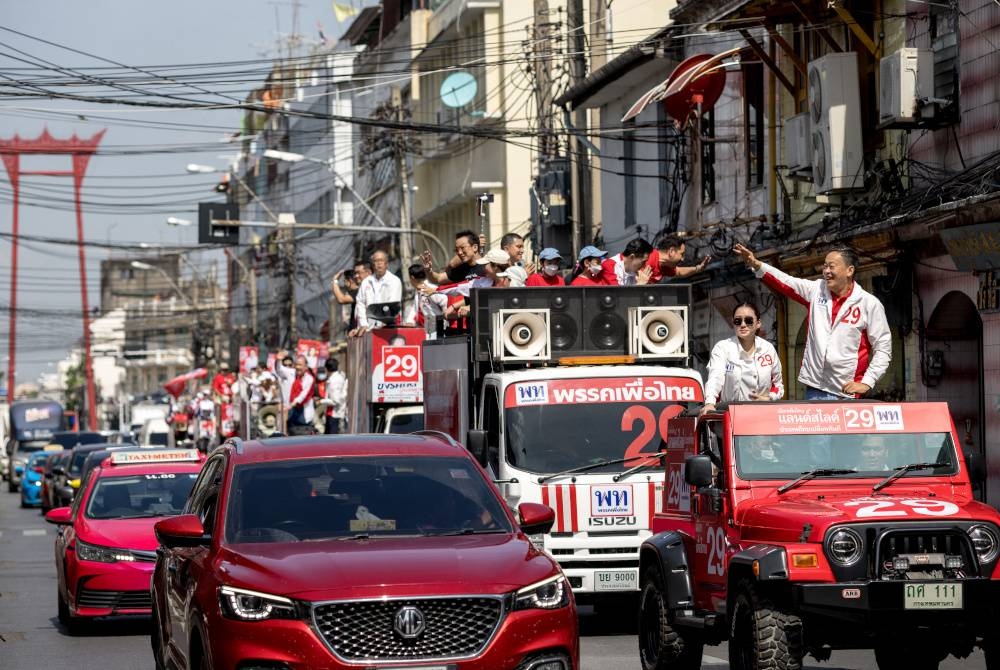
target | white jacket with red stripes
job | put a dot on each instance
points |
(858, 347)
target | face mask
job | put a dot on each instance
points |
(595, 268)
(550, 270)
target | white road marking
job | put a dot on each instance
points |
(712, 660)
(33, 532)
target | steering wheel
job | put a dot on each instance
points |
(291, 526)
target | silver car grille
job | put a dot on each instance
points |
(367, 630)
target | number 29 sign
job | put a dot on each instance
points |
(396, 365)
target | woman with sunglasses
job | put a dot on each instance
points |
(744, 366)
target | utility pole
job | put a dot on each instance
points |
(286, 229)
(400, 146)
(577, 44)
(543, 82)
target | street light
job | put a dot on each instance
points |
(201, 169)
(174, 221)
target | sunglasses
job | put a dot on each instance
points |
(746, 321)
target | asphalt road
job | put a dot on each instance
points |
(31, 637)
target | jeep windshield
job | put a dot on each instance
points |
(593, 438)
(361, 498)
(866, 455)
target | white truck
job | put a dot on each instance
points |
(565, 396)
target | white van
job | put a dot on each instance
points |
(155, 432)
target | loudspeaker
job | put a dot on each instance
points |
(583, 321)
(658, 332)
(522, 335)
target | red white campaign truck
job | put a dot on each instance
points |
(566, 395)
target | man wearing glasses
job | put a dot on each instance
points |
(464, 264)
(382, 286)
(848, 345)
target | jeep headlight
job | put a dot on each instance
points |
(253, 605)
(844, 547)
(99, 554)
(984, 541)
(548, 594)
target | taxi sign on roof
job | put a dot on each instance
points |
(154, 456)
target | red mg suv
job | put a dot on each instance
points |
(357, 551)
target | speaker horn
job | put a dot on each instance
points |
(658, 332)
(522, 335)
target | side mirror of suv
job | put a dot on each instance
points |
(977, 466)
(698, 471)
(535, 519)
(181, 531)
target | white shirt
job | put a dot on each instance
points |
(735, 373)
(430, 306)
(375, 290)
(623, 277)
(336, 393)
(286, 377)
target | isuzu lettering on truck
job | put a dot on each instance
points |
(564, 396)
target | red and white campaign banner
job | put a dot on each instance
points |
(601, 390)
(587, 507)
(248, 359)
(397, 367)
(831, 418)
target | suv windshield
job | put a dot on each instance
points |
(553, 438)
(870, 454)
(360, 497)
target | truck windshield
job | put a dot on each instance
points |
(870, 454)
(553, 438)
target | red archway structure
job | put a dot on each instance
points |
(80, 150)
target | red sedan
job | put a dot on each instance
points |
(359, 551)
(106, 549)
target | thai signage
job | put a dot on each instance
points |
(975, 247)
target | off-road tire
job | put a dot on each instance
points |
(662, 645)
(902, 656)
(762, 636)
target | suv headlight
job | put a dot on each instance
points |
(844, 547)
(99, 554)
(984, 541)
(549, 594)
(253, 605)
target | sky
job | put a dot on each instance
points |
(138, 178)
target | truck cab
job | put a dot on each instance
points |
(570, 407)
(803, 528)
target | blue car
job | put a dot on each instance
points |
(31, 480)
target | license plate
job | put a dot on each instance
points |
(616, 580)
(942, 596)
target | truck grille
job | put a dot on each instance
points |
(926, 552)
(366, 630)
(115, 600)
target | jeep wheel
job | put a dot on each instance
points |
(661, 645)
(907, 657)
(763, 636)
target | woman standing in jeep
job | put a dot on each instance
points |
(744, 366)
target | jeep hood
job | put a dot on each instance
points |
(772, 517)
(347, 568)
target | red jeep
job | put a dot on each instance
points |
(800, 528)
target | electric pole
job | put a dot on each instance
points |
(577, 45)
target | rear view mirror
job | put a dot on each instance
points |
(698, 471)
(535, 518)
(475, 442)
(977, 466)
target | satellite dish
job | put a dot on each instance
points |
(458, 89)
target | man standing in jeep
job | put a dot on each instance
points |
(848, 345)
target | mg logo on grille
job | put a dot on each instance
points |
(409, 622)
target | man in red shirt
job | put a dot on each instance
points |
(629, 267)
(590, 272)
(666, 258)
(549, 262)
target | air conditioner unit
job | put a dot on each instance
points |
(798, 148)
(835, 114)
(906, 77)
(522, 335)
(658, 332)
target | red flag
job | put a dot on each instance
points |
(176, 386)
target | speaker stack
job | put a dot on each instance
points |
(649, 322)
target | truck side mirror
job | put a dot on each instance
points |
(698, 471)
(977, 466)
(475, 442)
